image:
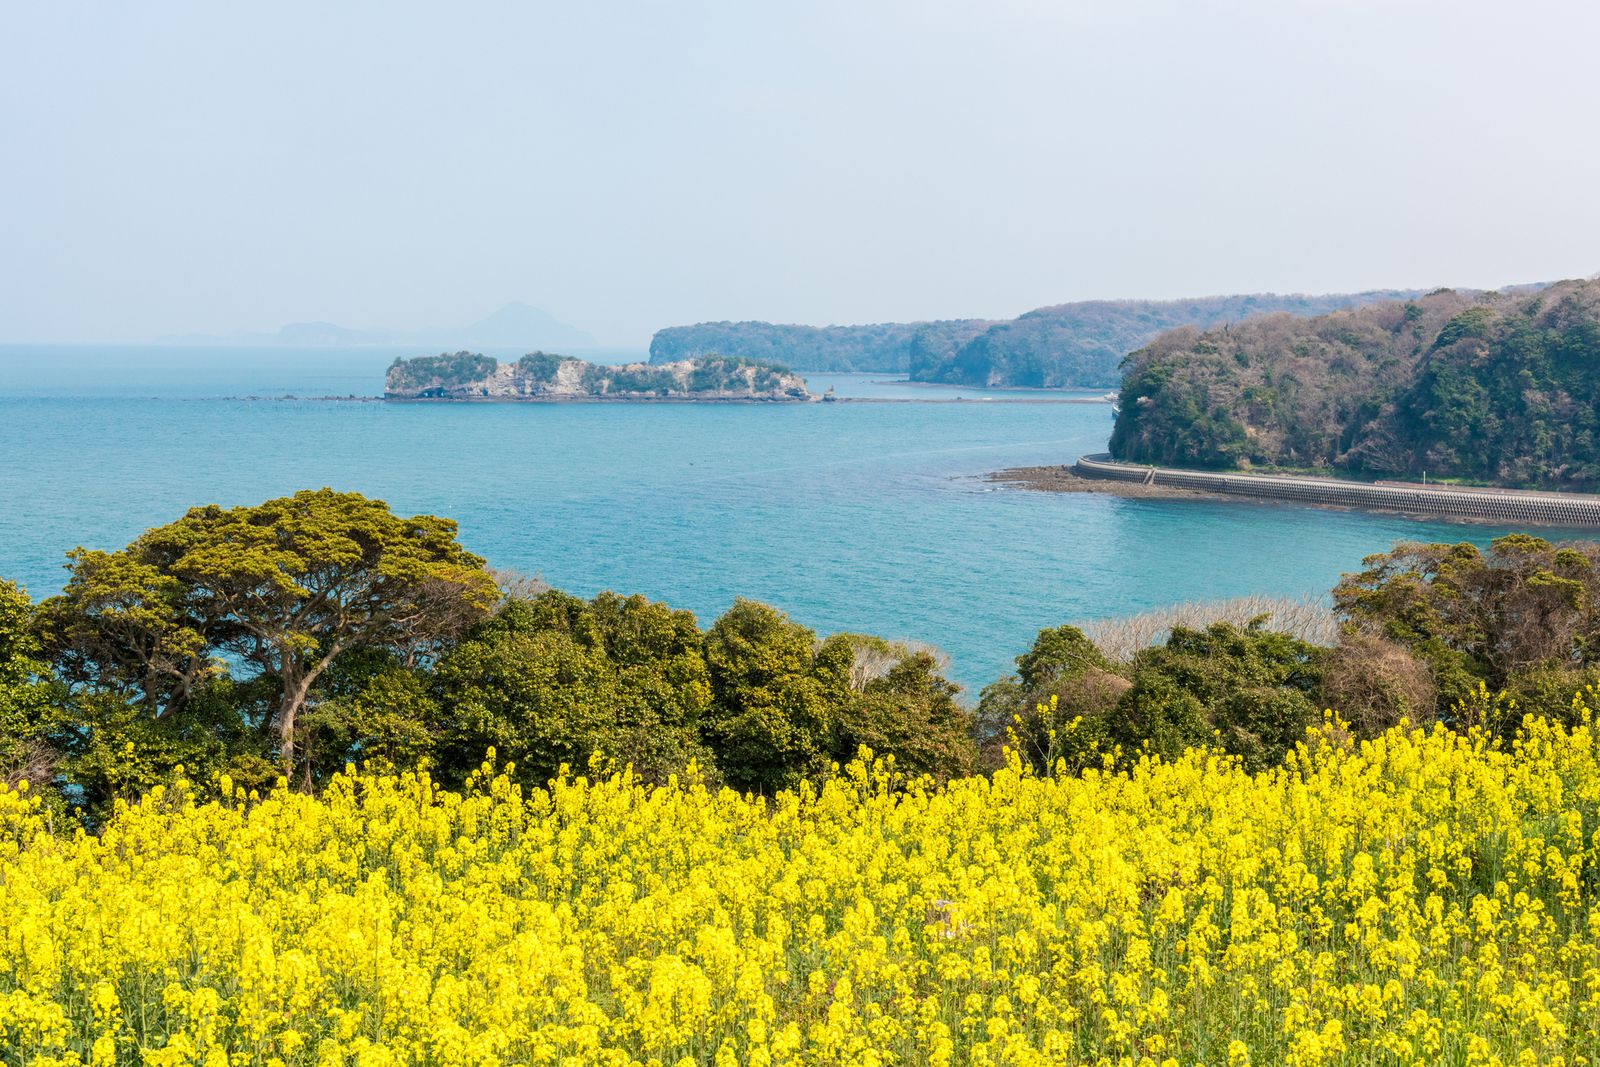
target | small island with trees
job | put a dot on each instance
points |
(546, 377)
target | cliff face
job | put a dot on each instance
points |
(539, 376)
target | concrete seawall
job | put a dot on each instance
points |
(1494, 505)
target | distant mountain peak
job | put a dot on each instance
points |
(518, 309)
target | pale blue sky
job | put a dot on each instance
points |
(173, 167)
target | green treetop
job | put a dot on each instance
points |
(286, 587)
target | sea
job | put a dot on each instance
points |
(863, 517)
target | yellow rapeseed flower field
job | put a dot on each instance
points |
(1424, 898)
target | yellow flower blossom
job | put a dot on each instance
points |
(1424, 897)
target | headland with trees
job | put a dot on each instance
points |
(1496, 388)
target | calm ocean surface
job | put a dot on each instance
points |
(869, 517)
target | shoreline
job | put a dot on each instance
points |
(1480, 506)
(826, 401)
(965, 399)
(1063, 479)
(597, 399)
(1097, 399)
(256, 398)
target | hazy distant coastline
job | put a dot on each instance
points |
(1074, 345)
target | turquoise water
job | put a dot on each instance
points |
(870, 517)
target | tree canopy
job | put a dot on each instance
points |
(290, 638)
(1523, 616)
(284, 587)
(1246, 690)
(555, 680)
(26, 717)
(294, 636)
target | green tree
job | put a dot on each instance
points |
(901, 705)
(658, 655)
(1523, 616)
(775, 697)
(373, 710)
(1056, 707)
(113, 750)
(123, 626)
(1248, 690)
(557, 680)
(284, 587)
(537, 698)
(27, 699)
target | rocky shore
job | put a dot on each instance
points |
(1063, 479)
(1098, 474)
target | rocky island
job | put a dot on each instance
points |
(541, 376)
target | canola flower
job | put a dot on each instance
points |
(1424, 898)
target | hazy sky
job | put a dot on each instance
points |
(173, 167)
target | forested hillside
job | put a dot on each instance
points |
(1495, 387)
(1084, 343)
(885, 346)
(1079, 344)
